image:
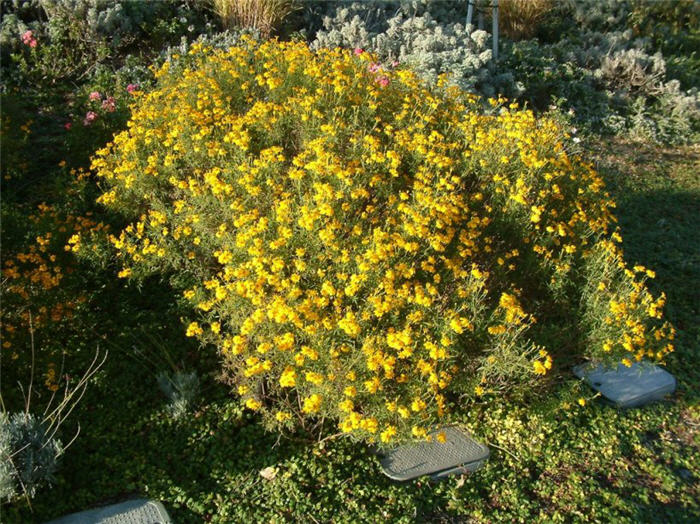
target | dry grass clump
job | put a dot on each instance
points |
(519, 19)
(263, 15)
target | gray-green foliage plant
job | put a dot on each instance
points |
(598, 15)
(7, 470)
(417, 34)
(593, 66)
(123, 21)
(612, 81)
(29, 455)
(633, 69)
(73, 37)
(221, 40)
(16, 15)
(181, 389)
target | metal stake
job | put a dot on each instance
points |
(470, 14)
(495, 29)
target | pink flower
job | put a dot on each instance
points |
(131, 88)
(374, 67)
(67, 126)
(109, 104)
(28, 39)
(358, 51)
(383, 81)
(95, 95)
(90, 117)
(394, 63)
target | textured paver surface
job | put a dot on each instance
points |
(140, 511)
(459, 453)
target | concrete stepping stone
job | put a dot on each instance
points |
(138, 511)
(458, 454)
(628, 387)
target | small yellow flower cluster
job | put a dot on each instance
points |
(358, 248)
(621, 316)
(51, 377)
(543, 365)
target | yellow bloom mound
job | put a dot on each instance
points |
(362, 247)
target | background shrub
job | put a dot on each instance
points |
(419, 37)
(597, 60)
(73, 37)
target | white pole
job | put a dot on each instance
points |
(470, 14)
(495, 29)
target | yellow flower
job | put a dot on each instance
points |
(314, 378)
(194, 329)
(456, 325)
(252, 404)
(369, 424)
(419, 432)
(418, 405)
(312, 404)
(497, 330)
(539, 367)
(282, 416)
(373, 385)
(388, 433)
(288, 378)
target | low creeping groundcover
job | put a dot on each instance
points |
(365, 248)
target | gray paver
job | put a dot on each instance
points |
(138, 511)
(458, 454)
(629, 387)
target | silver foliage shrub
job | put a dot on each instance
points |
(673, 117)
(108, 17)
(411, 34)
(181, 390)
(633, 69)
(118, 19)
(13, 23)
(7, 470)
(28, 455)
(594, 65)
(599, 15)
(628, 77)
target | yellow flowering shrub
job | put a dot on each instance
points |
(358, 245)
